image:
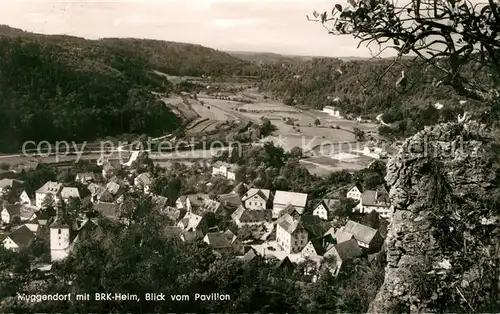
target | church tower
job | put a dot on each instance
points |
(59, 235)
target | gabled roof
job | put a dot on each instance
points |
(217, 240)
(358, 186)
(343, 236)
(95, 189)
(321, 245)
(238, 186)
(22, 236)
(198, 199)
(230, 200)
(348, 250)
(289, 224)
(212, 206)
(191, 221)
(263, 193)
(294, 198)
(4, 183)
(292, 210)
(144, 179)
(182, 198)
(113, 188)
(360, 232)
(250, 254)
(50, 187)
(329, 204)
(286, 263)
(68, 192)
(13, 210)
(244, 215)
(374, 198)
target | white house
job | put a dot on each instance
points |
(9, 212)
(255, 199)
(283, 198)
(290, 234)
(50, 189)
(225, 170)
(355, 192)
(69, 192)
(194, 223)
(332, 111)
(144, 181)
(325, 209)
(18, 239)
(375, 201)
(25, 199)
(63, 237)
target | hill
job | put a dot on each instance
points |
(57, 87)
(267, 57)
(359, 89)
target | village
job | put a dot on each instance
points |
(273, 220)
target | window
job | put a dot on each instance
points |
(59, 231)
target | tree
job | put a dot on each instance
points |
(359, 134)
(296, 152)
(458, 39)
(317, 122)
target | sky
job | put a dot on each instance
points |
(278, 26)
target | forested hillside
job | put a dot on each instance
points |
(363, 91)
(68, 88)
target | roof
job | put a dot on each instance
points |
(113, 188)
(95, 189)
(109, 210)
(68, 192)
(291, 210)
(50, 187)
(244, 215)
(294, 198)
(289, 224)
(22, 236)
(232, 200)
(86, 175)
(218, 240)
(43, 214)
(360, 232)
(161, 202)
(320, 245)
(219, 164)
(4, 183)
(27, 211)
(182, 198)
(250, 254)
(174, 213)
(29, 165)
(263, 193)
(239, 186)
(286, 263)
(329, 204)
(343, 236)
(212, 206)
(374, 198)
(198, 199)
(191, 221)
(112, 164)
(144, 179)
(357, 185)
(13, 210)
(348, 250)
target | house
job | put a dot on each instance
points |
(30, 165)
(18, 239)
(344, 252)
(224, 242)
(240, 188)
(366, 237)
(375, 152)
(180, 203)
(42, 217)
(69, 192)
(212, 206)
(9, 212)
(290, 210)
(6, 184)
(115, 189)
(317, 247)
(326, 208)
(196, 201)
(355, 192)
(332, 111)
(194, 223)
(291, 236)
(110, 167)
(50, 190)
(26, 199)
(250, 254)
(286, 264)
(283, 198)
(243, 216)
(225, 170)
(229, 201)
(85, 177)
(375, 201)
(256, 198)
(144, 181)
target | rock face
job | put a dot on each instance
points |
(442, 244)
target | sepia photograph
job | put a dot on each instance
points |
(250, 156)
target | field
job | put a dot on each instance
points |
(177, 104)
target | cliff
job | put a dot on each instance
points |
(442, 245)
